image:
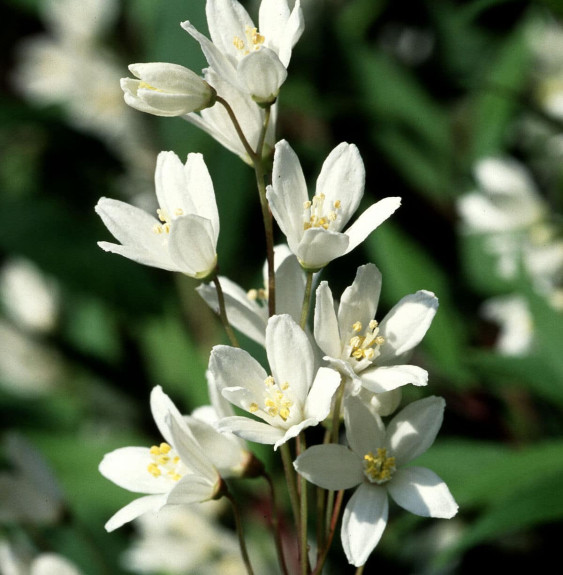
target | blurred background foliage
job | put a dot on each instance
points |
(426, 90)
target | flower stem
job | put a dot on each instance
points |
(332, 529)
(242, 137)
(291, 482)
(303, 531)
(275, 522)
(360, 569)
(242, 543)
(306, 300)
(223, 312)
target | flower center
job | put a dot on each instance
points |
(379, 468)
(276, 402)
(165, 462)
(317, 215)
(365, 346)
(252, 41)
(166, 220)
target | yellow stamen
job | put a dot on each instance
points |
(379, 468)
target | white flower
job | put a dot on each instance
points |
(369, 353)
(248, 311)
(14, 563)
(185, 239)
(375, 463)
(176, 471)
(289, 400)
(252, 60)
(166, 89)
(313, 228)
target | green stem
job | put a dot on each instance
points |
(276, 525)
(306, 300)
(223, 312)
(240, 533)
(360, 569)
(303, 531)
(291, 482)
(332, 529)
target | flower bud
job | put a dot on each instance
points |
(262, 73)
(165, 89)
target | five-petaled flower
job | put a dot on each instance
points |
(184, 239)
(175, 471)
(369, 353)
(289, 400)
(313, 228)
(375, 463)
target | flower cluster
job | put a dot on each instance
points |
(350, 365)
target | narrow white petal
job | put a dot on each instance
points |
(364, 430)
(127, 467)
(193, 245)
(320, 396)
(372, 218)
(162, 261)
(290, 286)
(161, 407)
(272, 18)
(342, 178)
(290, 355)
(290, 33)
(200, 189)
(318, 247)
(332, 467)
(387, 378)
(413, 430)
(251, 430)
(326, 330)
(226, 19)
(134, 509)
(170, 183)
(422, 492)
(405, 325)
(363, 522)
(359, 301)
(243, 314)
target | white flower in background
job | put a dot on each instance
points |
(313, 228)
(252, 59)
(248, 310)
(177, 471)
(166, 89)
(510, 212)
(184, 539)
(30, 298)
(289, 400)
(375, 463)
(185, 238)
(14, 563)
(29, 492)
(368, 353)
(515, 321)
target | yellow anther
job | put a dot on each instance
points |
(337, 204)
(178, 212)
(238, 43)
(155, 450)
(252, 294)
(164, 460)
(147, 86)
(157, 229)
(253, 407)
(379, 468)
(269, 381)
(357, 326)
(373, 324)
(379, 340)
(153, 469)
(165, 448)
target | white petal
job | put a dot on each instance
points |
(372, 218)
(227, 19)
(290, 355)
(200, 191)
(133, 227)
(127, 467)
(320, 396)
(161, 407)
(233, 367)
(192, 245)
(364, 430)
(363, 522)
(387, 378)
(170, 183)
(318, 247)
(288, 193)
(342, 178)
(359, 301)
(192, 489)
(262, 73)
(243, 314)
(422, 492)
(134, 509)
(251, 430)
(332, 467)
(52, 564)
(327, 334)
(405, 325)
(289, 34)
(413, 430)
(290, 286)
